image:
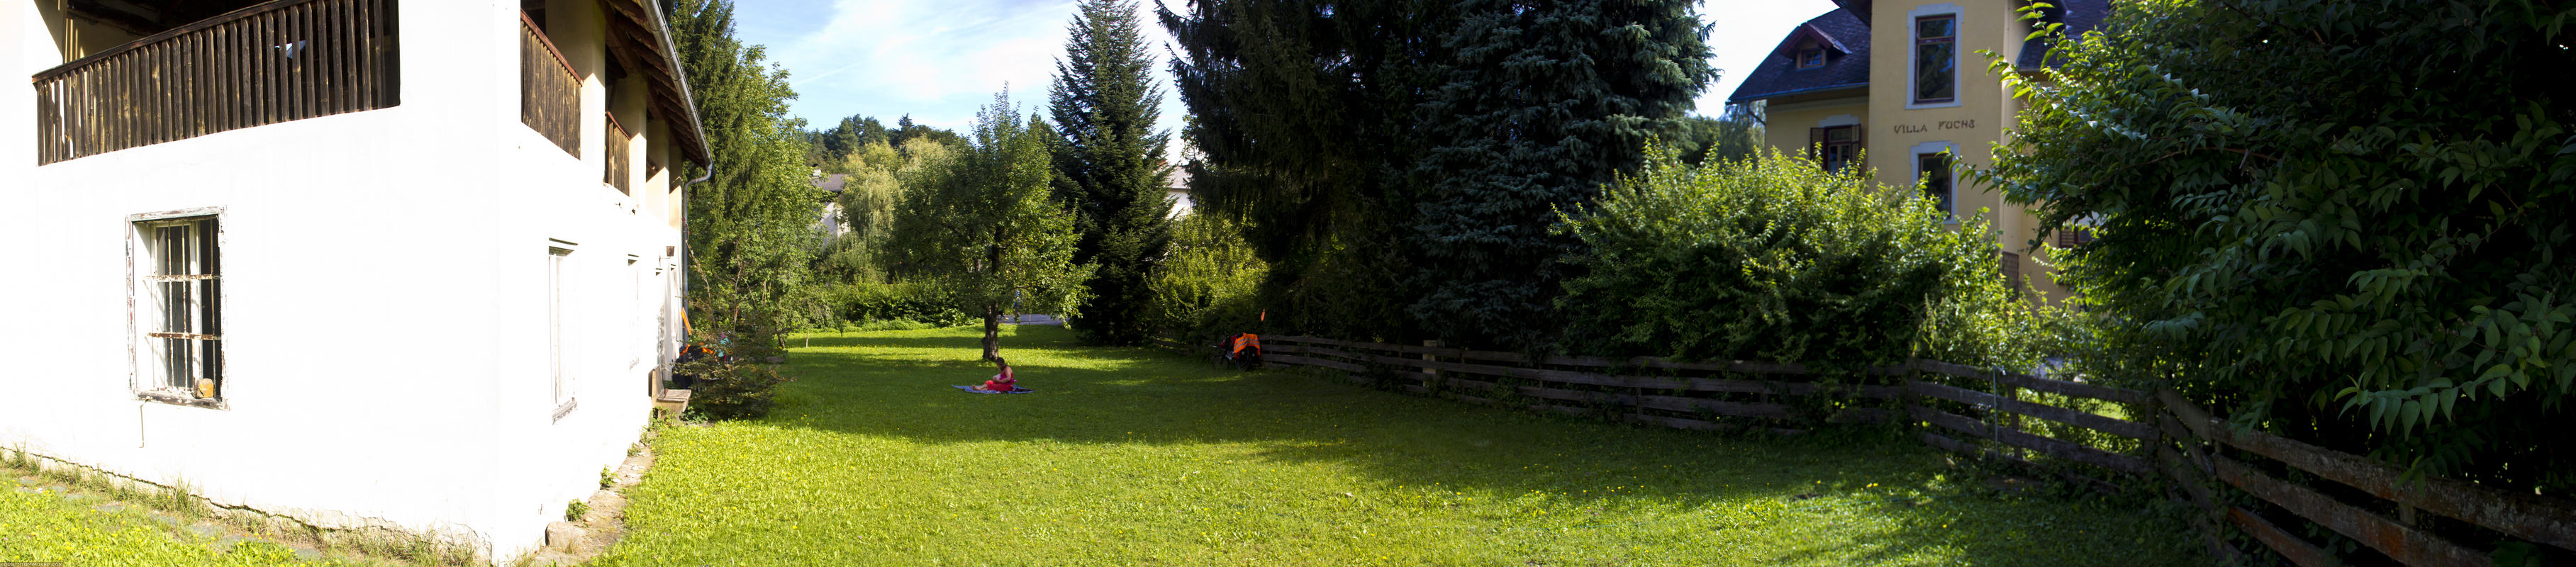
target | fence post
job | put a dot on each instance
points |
(1431, 376)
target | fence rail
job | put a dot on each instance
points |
(2173, 439)
(275, 62)
(549, 90)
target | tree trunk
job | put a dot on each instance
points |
(992, 332)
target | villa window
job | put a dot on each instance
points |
(1811, 58)
(1936, 62)
(1934, 170)
(556, 254)
(1835, 147)
(178, 309)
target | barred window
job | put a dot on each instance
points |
(179, 308)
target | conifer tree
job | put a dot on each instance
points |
(1537, 106)
(1110, 165)
(748, 223)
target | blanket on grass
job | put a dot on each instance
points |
(972, 390)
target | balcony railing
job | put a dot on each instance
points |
(620, 163)
(275, 62)
(549, 91)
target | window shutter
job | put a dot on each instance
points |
(1815, 143)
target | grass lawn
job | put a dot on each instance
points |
(1128, 456)
(38, 524)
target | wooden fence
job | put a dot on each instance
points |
(2097, 436)
(270, 63)
(549, 90)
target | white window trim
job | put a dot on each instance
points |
(1935, 147)
(1958, 33)
(137, 298)
(1838, 120)
(558, 253)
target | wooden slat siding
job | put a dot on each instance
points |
(214, 75)
(2540, 519)
(2078, 389)
(2298, 551)
(2053, 447)
(2399, 541)
(2129, 429)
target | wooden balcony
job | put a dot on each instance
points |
(269, 63)
(621, 161)
(550, 91)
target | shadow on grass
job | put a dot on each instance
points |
(879, 384)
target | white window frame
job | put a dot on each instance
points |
(1929, 148)
(147, 335)
(1958, 42)
(558, 254)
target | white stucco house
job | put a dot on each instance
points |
(408, 264)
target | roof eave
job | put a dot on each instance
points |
(1741, 99)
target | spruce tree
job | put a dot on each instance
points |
(1537, 106)
(1110, 166)
(1301, 110)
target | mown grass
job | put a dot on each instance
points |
(46, 527)
(1133, 457)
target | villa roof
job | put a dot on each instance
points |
(1846, 60)
(1845, 37)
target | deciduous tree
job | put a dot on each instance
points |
(984, 226)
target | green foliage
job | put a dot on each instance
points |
(864, 302)
(1735, 136)
(1210, 284)
(905, 132)
(574, 510)
(833, 148)
(738, 388)
(1778, 260)
(607, 477)
(1532, 107)
(2341, 221)
(749, 239)
(1426, 143)
(1110, 168)
(981, 226)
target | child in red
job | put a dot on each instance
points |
(1001, 382)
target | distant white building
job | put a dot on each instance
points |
(832, 184)
(408, 264)
(1179, 192)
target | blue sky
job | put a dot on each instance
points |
(939, 60)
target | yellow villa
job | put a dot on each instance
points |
(1922, 104)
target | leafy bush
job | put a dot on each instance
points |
(1777, 260)
(876, 305)
(1209, 284)
(2340, 221)
(742, 383)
